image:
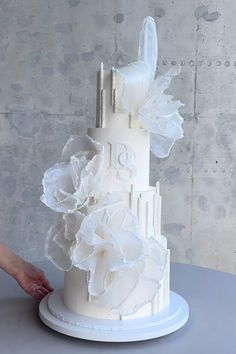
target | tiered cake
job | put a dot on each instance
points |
(109, 241)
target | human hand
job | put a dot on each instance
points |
(32, 280)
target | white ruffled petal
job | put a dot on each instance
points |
(72, 224)
(80, 253)
(159, 115)
(126, 280)
(167, 126)
(162, 82)
(149, 280)
(88, 228)
(136, 81)
(57, 183)
(96, 284)
(107, 200)
(56, 249)
(106, 261)
(131, 245)
(78, 164)
(155, 250)
(137, 77)
(76, 144)
(130, 222)
(155, 110)
(160, 145)
(143, 293)
(67, 201)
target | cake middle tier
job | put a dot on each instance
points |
(126, 153)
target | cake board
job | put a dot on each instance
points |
(55, 315)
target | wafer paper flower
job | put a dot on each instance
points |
(143, 96)
(109, 247)
(69, 185)
(61, 238)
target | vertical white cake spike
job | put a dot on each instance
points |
(114, 100)
(88, 276)
(155, 214)
(130, 120)
(158, 188)
(102, 98)
(140, 214)
(154, 307)
(113, 90)
(147, 219)
(101, 76)
(102, 109)
(131, 203)
(159, 215)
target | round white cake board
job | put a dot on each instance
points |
(55, 315)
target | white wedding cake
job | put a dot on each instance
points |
(109, 241)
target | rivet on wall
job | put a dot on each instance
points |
(192, 62)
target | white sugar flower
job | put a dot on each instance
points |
(143, 96)
(109, 247)
(68, 185)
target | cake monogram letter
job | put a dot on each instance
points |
(122, 157)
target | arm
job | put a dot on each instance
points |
(30, 278)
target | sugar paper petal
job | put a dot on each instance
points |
(136, 81)
(159, 115)
(148, 45)
(55, 253)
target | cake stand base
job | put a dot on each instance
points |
(55, 315)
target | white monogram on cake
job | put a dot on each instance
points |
(122, 157)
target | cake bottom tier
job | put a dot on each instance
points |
(77, 299)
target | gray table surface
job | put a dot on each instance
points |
(211, 328)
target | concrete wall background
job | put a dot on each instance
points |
(49, 54)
